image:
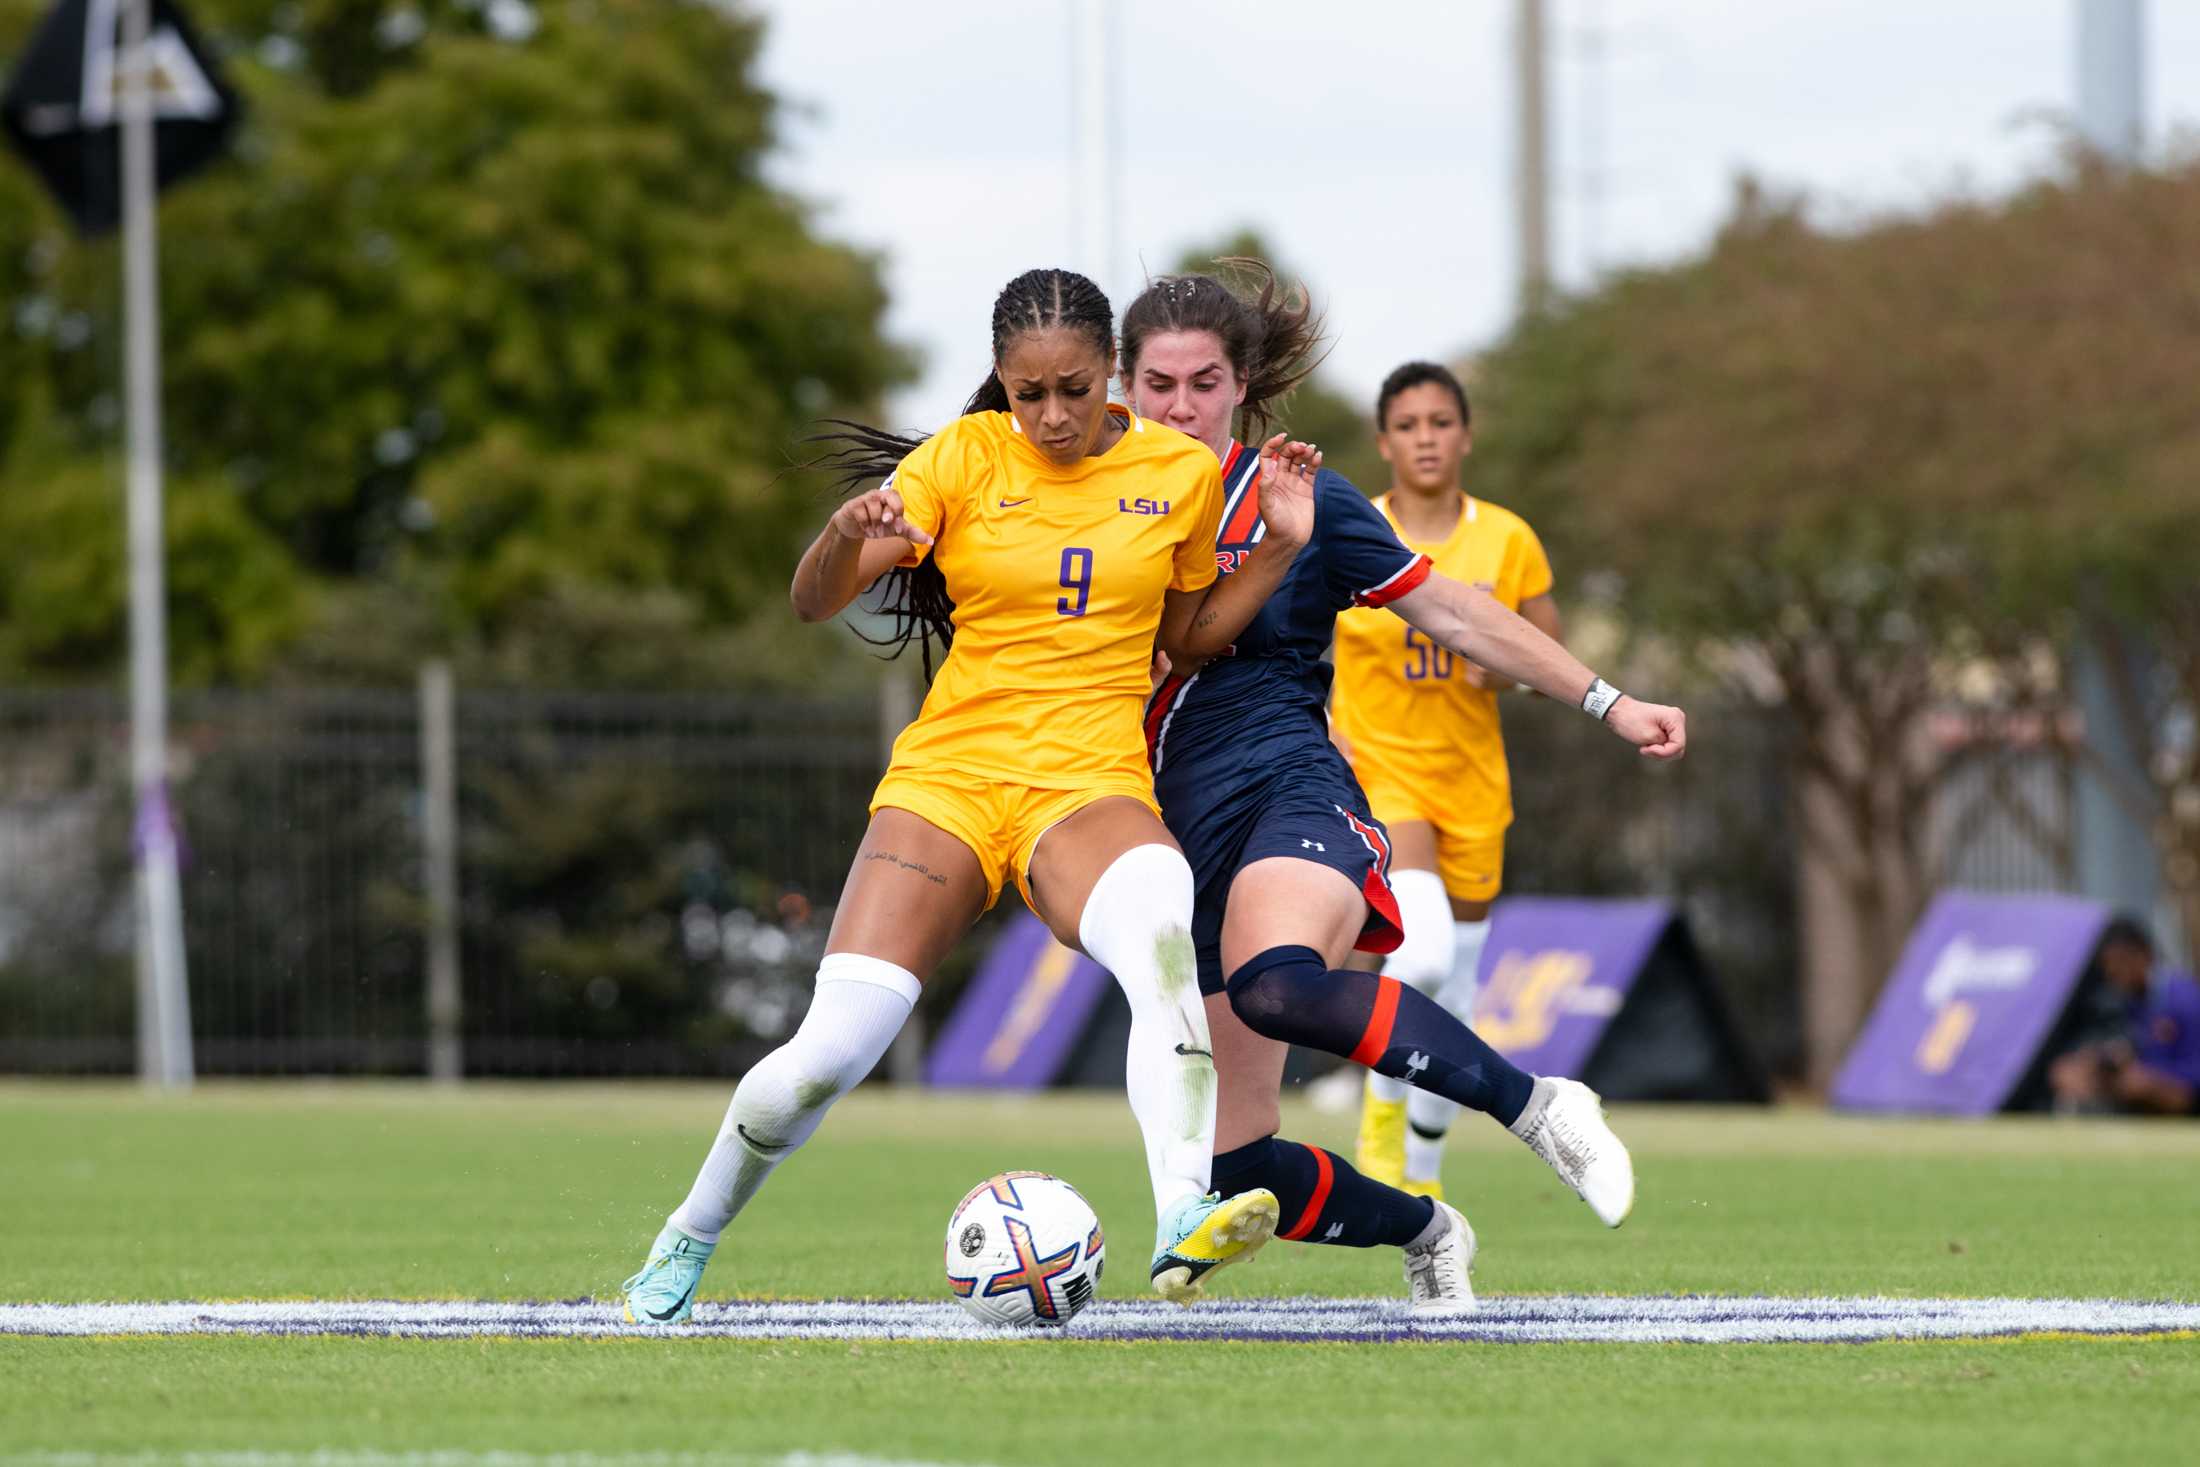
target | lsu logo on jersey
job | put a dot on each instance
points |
(1142, 506)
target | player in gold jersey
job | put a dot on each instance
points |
(1421, 728)
(1051, 543)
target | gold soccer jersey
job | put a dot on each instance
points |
(1425, 741)
(1057, 574)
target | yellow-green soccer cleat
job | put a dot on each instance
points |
(664, 1291)
(1432, 1188)
(1382, 1153)
(1201, 1234)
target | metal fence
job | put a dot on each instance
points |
(645, 881)
(1718, 835)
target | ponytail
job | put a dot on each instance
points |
(991, 397)
(915, 597)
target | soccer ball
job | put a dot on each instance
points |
(1023, 1248)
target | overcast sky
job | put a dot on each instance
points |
(1372, 143)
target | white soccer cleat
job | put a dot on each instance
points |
(1564, 1124)
(1436, 1276)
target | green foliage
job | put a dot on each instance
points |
(1869, 473)
(234, 595)
(505, 321)
(1917, 427)
(582, 885)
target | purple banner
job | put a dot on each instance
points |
(1555, 972)
(1017, 1025)
(1979, 985)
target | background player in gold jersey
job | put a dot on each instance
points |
(1421, 728)
(1047, 541)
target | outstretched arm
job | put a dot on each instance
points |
(866, 537)
(1287, 472)
(1479, 627)
(1540, 612)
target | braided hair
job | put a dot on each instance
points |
(1273, 341)
(916, 598)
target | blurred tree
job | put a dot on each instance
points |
(2120, 254)
(1863, 473)
(1317, 411)
(491, 319)
(2150, 578)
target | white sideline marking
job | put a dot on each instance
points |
(1553, 1317)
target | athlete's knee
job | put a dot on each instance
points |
(1138, 921)
(1271, 986)
(1145, 886)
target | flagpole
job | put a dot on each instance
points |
(164, 1013)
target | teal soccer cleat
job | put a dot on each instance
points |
(664, 1291)
(1198, 1235)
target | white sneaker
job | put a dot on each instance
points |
(1564, 1124)
(1436, 1276)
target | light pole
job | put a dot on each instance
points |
(164, 1005)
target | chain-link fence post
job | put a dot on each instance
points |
(439, 852)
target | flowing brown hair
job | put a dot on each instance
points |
(1272, 335)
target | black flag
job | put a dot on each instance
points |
(62, 107)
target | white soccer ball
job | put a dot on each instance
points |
(1023, 1248)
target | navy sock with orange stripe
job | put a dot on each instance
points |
(1321, 1198)
(1287, 993)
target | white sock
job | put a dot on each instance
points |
(1423, 958)
(1429, 1116)
(1464, 982)
(1138, 925)
(860, 1006)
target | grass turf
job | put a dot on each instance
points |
(363, 1191)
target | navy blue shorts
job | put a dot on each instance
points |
(1314, 814)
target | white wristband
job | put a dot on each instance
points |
(1599, 699)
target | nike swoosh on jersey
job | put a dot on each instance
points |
(1012, 503)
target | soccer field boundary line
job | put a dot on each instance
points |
(452, 1457)
(1525, 1319)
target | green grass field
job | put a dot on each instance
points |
(344, 1191)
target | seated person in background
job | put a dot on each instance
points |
(2154, 1067)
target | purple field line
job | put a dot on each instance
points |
(1524, 1319)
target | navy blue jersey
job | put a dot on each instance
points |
(1260, 700)
(1243, 766)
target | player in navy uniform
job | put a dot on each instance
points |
(1290, 865)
